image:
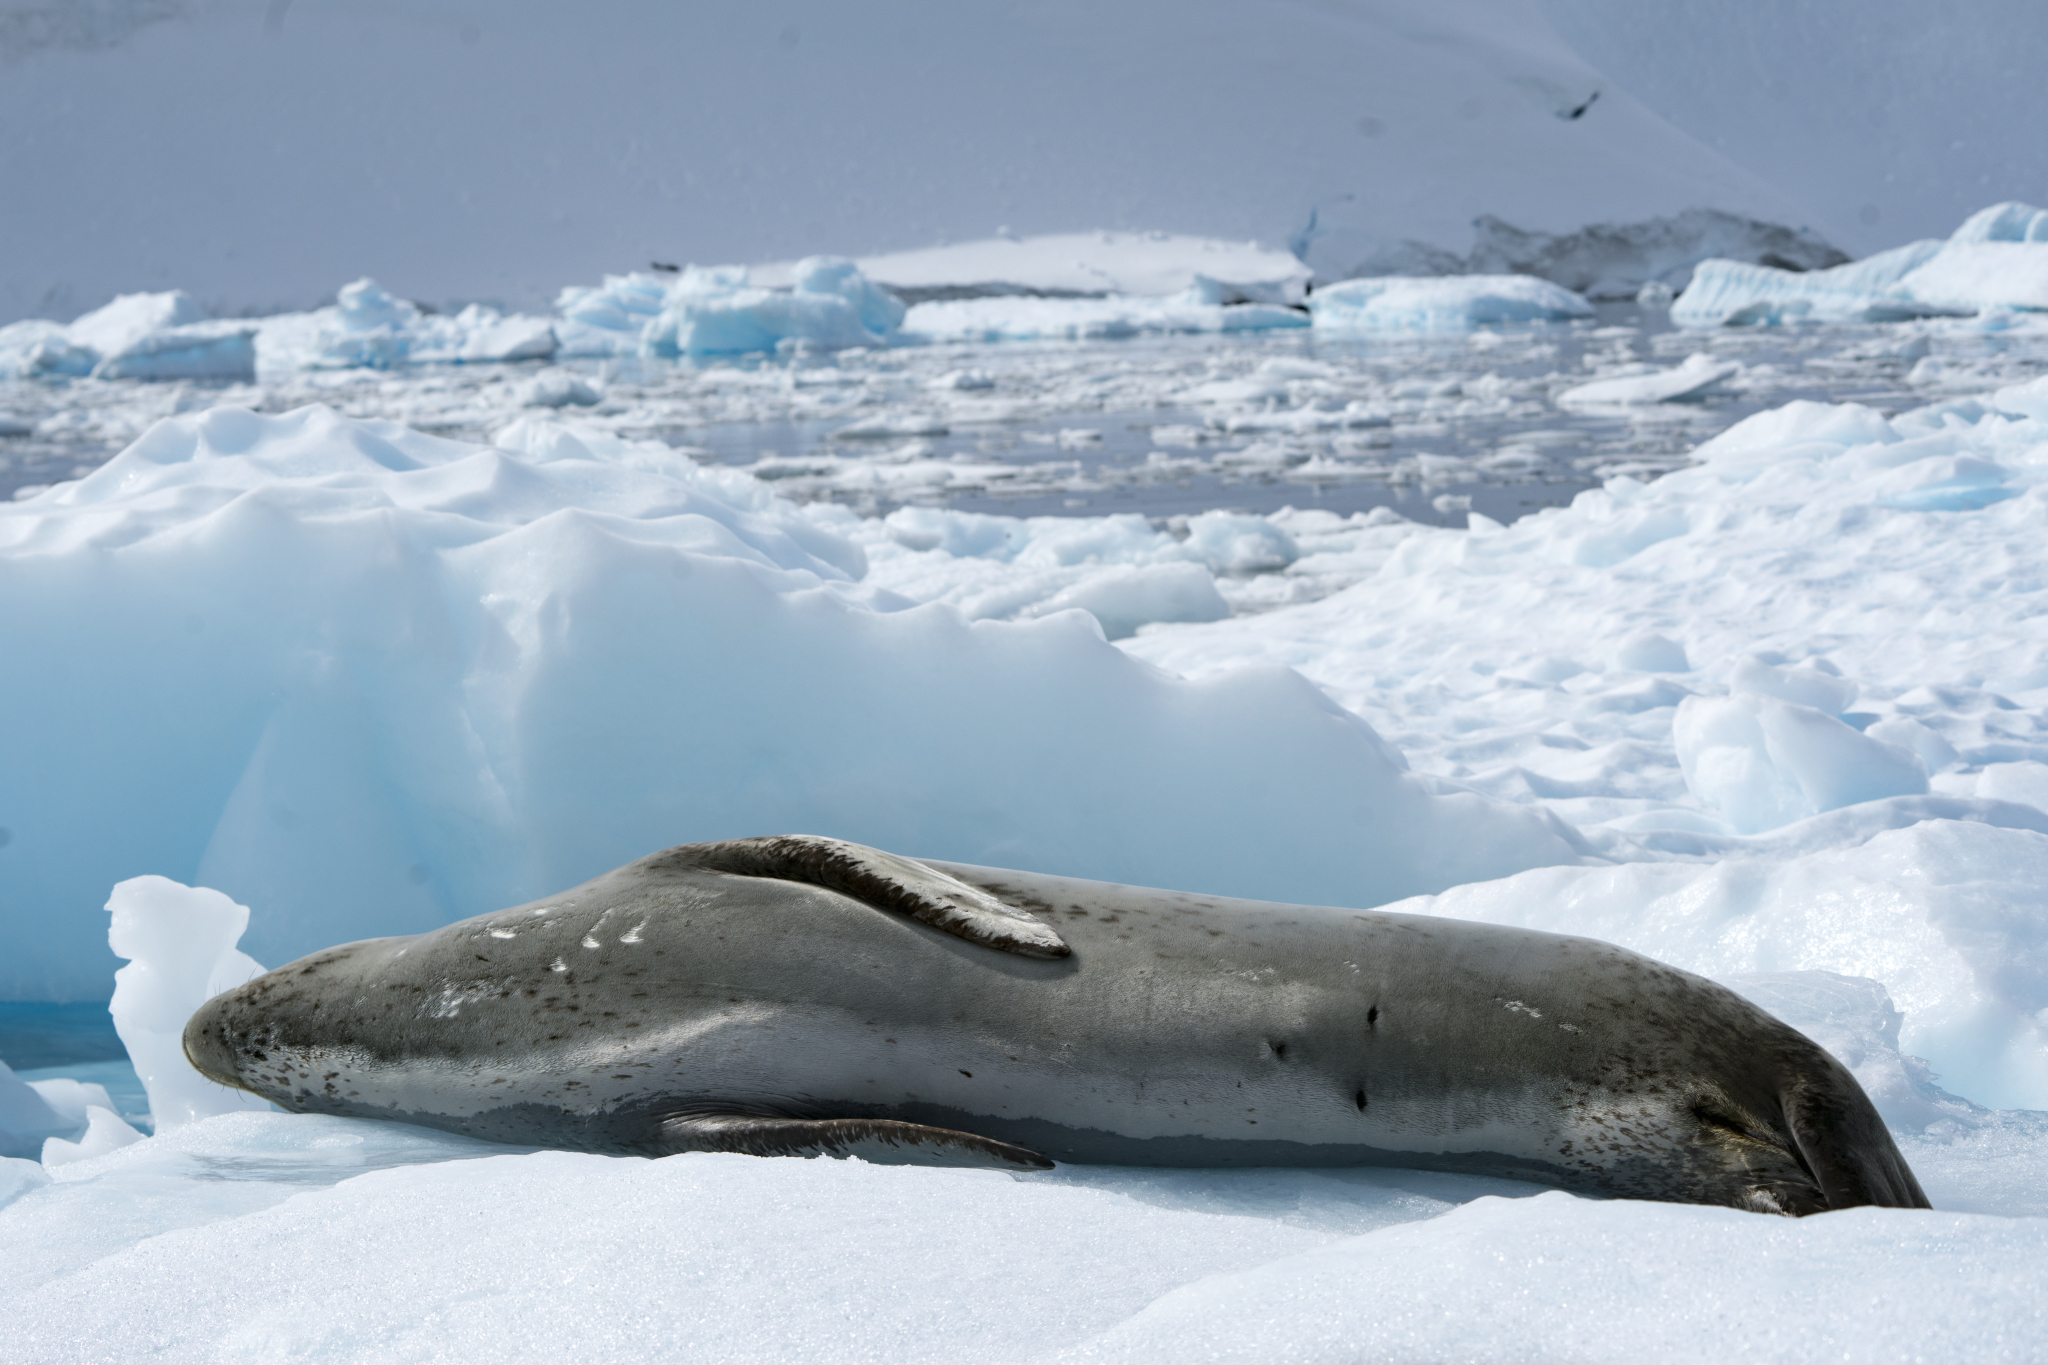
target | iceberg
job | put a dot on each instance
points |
(367, 327)
(169, 336)
(1450, 304)
(137, 336)
(717, 310)
(1998, 258)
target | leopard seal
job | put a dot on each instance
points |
(801, 995)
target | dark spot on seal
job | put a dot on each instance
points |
(1359, 1100)
(1279, 1050)
(968, 1074)
(1372, 1016)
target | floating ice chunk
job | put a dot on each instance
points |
(608, 318)
(27, 1117)
(137, 336)
(1736, 292)
(105, 1132)
(1648, 652)
(556, 389)
(1699, 373)
(112, 328)
(38, 346)
(181, 944)
(1763, 762)
(478, 335)
(880, 311)
(1002, 318)
(889, 426)
(1395, 303)
(1998, 258)
(717, 311)
(1135, 263)
(202, 350)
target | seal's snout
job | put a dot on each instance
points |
(206, 1043)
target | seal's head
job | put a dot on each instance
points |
(207, 1045)
(1790, 1131)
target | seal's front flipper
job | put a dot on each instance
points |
(884, 1141)
(882, 880)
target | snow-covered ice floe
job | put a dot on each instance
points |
(1457, 303)
(1998, 259)
(1204, 306)
(1144, 264)
(137, 336)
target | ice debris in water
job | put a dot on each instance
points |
(180, 942)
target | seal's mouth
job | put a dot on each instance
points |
(207, 1047)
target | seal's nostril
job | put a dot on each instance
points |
(206, 1045)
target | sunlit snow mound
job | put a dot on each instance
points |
(1996, 260)
(370, 680)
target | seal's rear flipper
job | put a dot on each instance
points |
(882, 880)
(884, 1141)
